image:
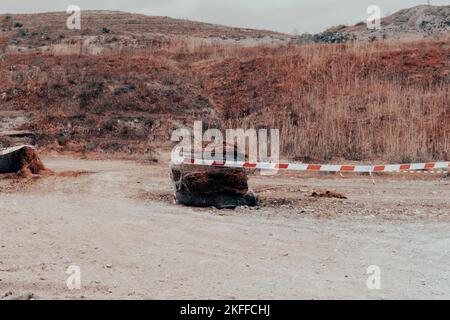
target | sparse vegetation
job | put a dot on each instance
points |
(337, 28)
(358, 101)
(23, 33)
(355, 101)
(385, 101)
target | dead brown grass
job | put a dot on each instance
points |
(358, 101)
(363, 101)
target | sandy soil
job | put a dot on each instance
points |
(115, 220)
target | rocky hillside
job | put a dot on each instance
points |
(117, 30)
(413, 23)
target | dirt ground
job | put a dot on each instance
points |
(117, 222)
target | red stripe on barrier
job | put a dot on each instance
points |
(379, 168)
(348, 168)
(314, 167)
(429, 166)
(282, 166)
(218, 163)
(405, 167)
(250, 165)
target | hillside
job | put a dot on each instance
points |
(414, 23)
(356, 101)
(109, 29)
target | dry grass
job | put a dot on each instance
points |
(363, 101)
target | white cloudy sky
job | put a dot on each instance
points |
(279, 15)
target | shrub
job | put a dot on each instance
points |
(23, 33)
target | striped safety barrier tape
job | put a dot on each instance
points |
(432, 167)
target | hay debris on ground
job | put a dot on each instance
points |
(328, 194)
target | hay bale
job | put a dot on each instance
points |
(23, 160)
(203, 186)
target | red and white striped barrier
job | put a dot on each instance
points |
(432, 167)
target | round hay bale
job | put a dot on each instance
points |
(204, 186)
(23, 160)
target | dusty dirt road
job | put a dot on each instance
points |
(115, 220)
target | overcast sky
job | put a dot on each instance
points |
(279, 15)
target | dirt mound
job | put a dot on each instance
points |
(23, 160)
(328, 194)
